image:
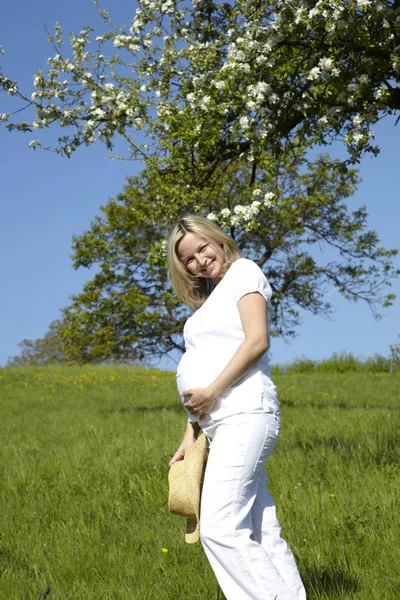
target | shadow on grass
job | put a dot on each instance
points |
(140, 409)
(334, 582)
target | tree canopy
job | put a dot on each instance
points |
(191, 85)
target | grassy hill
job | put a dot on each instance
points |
(83, 496)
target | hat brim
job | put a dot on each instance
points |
(197, 454)
(192, 534)
(189, 472)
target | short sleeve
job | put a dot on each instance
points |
(247, 277)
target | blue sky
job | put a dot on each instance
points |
(45, 199)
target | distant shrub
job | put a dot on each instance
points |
(342, 362)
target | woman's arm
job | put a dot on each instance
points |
(253, 314)
(190, 436)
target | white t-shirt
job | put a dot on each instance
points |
(213, 334)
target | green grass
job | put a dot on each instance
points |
(84, 463)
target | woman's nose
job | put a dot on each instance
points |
(200, 260)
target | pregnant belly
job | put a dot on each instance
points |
(197, 369)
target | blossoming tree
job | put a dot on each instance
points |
(209, 81)
(190, 86)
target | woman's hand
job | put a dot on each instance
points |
(180, 453)
(200, 402)
(189, 438)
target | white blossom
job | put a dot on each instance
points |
(259, 89)
(363, 4)
(98, 112)
(12, 90)
(197, 82)
(253, 44)
(313, 12)
(167, 7)
(299, 13)
(244, 122)
(314, 73)
(225, 212)
(325, 64)
(251, 105)
(268, 199)
(212, 216)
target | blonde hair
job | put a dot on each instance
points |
(192, 290)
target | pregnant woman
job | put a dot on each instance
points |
(225, 384)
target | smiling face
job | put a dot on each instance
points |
(201, 258)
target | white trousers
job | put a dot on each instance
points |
(238, 525)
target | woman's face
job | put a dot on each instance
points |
(201, 258)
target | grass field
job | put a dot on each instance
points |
(84, 462)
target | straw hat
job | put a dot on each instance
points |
(185, 480)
